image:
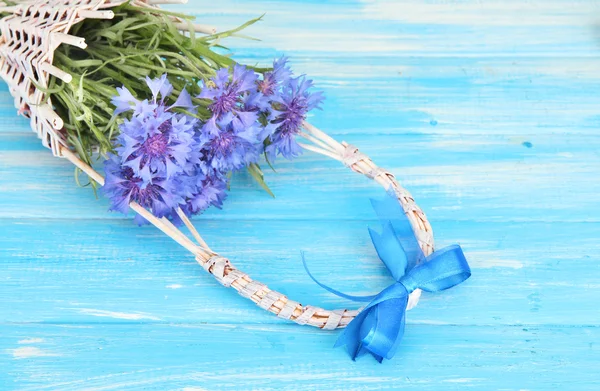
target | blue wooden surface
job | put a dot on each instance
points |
(488, 112)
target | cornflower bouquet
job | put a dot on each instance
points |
(171, 117)
(174, 161)
(160, 104)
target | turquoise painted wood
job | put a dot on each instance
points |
(488, 112)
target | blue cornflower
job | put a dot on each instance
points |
(125, 101)
(156, 146)
(229, 144)
(260, 100)
(156, 142)
(206, 191)
(198, 191)
(167, 160)
(273, 80)
(227, 91)
(122, 186)
(230, 138)
(290, 108)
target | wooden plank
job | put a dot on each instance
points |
(437, 95)
(94, 271)
(196, 357)
(379, 28)
(479, 178)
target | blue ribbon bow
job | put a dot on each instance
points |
(379, 327)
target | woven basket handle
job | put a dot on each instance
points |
(270, 300)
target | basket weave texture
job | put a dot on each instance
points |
(29, 37)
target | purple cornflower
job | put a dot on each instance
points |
(122, 186)
(156, 146)
(198, 192)
(268, 88)
(227, 91)
(260, 99)
(273, 80)
(290, 108)
(229, 144)
(155, 142)
(230, 138)
(166, 160)
(125, 101)
(206, 191)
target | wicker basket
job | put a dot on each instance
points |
(29, 37)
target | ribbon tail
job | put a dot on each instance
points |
(350, 336)
(378, 358)
(379, 328)
(400, 335)
(386, 333)
(334, 291)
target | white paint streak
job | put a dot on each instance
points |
(174, 286)
(469, 178)
(510, 263)
(491, 259)
(567, 155)
(461, 380)
(30, 340)
(31, 352)
(504, 13)
(464, 143)
(29, 159)
(117, 315)
(333, 42)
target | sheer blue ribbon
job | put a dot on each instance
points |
(379, 327)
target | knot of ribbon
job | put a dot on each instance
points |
(379, 327)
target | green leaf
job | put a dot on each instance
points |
(266, 155)
(257, 174)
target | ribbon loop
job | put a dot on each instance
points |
(390, 250)
(443, 269)
(390, 212)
